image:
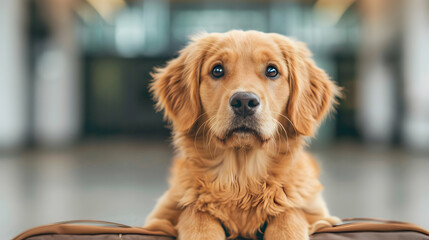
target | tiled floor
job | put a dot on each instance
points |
(120, 181)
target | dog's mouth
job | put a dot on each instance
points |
(242, 131)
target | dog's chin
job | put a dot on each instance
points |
(243, 137)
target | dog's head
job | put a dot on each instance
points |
(244, 88)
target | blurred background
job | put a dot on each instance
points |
(79, 138)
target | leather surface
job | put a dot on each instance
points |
(321, 236)
(405, 235)
(99, 237)
(378, 230)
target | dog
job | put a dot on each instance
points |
(241, 106)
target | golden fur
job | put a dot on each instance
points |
(229, 185)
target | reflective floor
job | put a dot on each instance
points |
(120, 180)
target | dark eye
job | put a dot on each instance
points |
(217, 71)
(271, 72)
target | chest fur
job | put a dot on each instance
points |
(240, 192)
(242, 211)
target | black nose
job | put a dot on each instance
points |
(244, 103)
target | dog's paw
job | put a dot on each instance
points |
(326, 222)
(285, 233)
(203, 235)
(285, 236)
(161, 225)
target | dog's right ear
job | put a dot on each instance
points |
(176, 86)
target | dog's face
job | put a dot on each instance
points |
(244, 88)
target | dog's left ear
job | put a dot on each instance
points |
(176, 86)
(312, 93)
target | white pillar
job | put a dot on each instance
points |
(416, 73)
(57, 95)
(13, 72)
(376, 110)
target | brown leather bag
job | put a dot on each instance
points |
(351, 229)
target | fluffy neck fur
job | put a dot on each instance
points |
(225, 166)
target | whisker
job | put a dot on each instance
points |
(196, 121)
(287, 137)
(196, 135)
(211, 137)
(202, 126)
(296, 133)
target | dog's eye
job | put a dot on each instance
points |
(217, 71)
(271, 72)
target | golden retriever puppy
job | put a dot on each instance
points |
(241, 104)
